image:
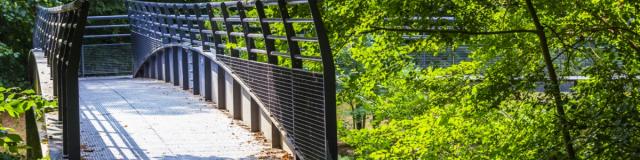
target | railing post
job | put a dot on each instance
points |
(73, 117)
(184, 57)
(217, 41)
(195, 65)
(166, 53)
(206, 61)
(329, 81)
(174, 65)
(266, 30)
(294, 49)
(246, 29)
(207, 80)
(33, 137)
(235, 87)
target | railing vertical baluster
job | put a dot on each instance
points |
(235, 88)
(185, 68)
(195, 72)
(229, 28)
(59, 71)
(294, 49)
(176, 75)
(222, 89)
(270, 48)
(190, 25)
(195, 58)
(158, 66)
(180, 25)
(266, 31)
(246, 29)
(217, 40)
(221, 95)
(172, 56)
(205, 48)
(161, 9)
(207, 80)
(329, 82)
(203, 37)
(158, 35)
(151, 64)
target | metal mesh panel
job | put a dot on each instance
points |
(106, 60)
(293, 96)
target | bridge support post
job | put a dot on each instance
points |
(207, 79)
(152, 68)
(222, 87)
(255, 116)
(184, 66)
(72, 121)
(237, 99)
(174, 65)
(195, 58)
(159, 67)
(167, 65)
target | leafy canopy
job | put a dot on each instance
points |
(491, 107)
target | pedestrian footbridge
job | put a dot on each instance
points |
(218, 80)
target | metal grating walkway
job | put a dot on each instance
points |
(124, 118)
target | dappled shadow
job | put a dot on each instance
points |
(145, 96)
(126, 118)
(103, 137)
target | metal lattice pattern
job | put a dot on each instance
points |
(294, 97)
(301, 101)
(180, 22)
(58, 33)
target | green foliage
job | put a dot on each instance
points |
(490, 108)
(13, 71)
(15, 102)
(17, 22)
(17, 19)
(11, 144)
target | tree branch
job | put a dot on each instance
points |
(375, 28)
(555, 85)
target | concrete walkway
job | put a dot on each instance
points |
(124, 118)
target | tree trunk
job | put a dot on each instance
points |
(555, 84)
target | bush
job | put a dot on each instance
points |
(15, 102)
(12, 70)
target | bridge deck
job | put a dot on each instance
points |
(124, 118)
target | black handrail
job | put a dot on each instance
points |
(111, 35)
(58, 33)
(299, 102)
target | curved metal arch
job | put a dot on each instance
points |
(185, 46)
(156, 51)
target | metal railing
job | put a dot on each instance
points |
(228, 51)
(106, 54)
(58, 34)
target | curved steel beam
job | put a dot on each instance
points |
(212, 57)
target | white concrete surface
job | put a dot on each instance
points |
(126, 118)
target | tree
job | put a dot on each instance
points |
(516, 45)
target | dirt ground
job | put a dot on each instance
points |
(17, 124)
